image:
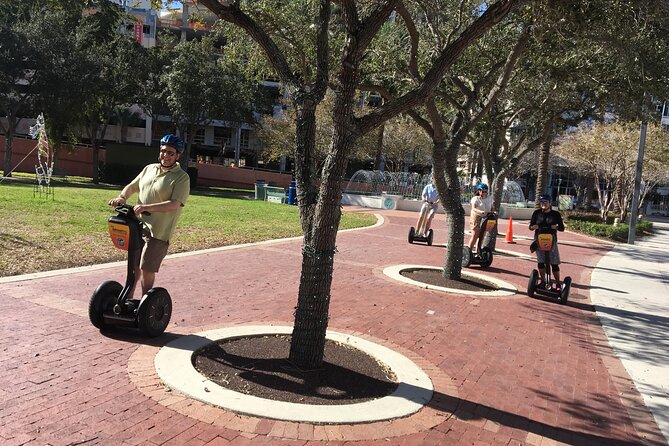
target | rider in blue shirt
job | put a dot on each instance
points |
(430, 198)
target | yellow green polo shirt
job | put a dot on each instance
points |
(156, 186)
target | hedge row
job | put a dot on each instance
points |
(618, 233)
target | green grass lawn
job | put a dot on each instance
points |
(41, 234)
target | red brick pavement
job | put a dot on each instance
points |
(506, 370)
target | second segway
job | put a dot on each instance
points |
(545, 240)
(483, 255)
(111, 304)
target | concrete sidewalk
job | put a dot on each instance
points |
(506, 370)
(630, 291)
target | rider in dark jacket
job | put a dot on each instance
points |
(547, 218)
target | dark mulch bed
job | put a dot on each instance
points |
(258, 366)
(436, 278)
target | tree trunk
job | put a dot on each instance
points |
(305, 169)
(603, 210)
(95, 145)
(185, 156)
(587, 193)
(497, 187)
(445, 169)
(96, 162)
(12, 122)
(455, 215)
(7, 170)
(313, 300)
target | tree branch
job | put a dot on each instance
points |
(449, 55)
(230, 12)
(413, 37)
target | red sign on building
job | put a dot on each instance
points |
(138, 32)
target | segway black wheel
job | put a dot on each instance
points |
(564, 293)
(103, 300)
(486, 257)
(532, 283)
(155, 310)
(466, 256)
(412, 234)
(430, 235)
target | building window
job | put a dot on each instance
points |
(146, 29)
(244, 139)
(223, 137)
(199, 136)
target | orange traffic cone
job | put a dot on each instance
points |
(509, 232)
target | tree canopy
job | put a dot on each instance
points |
(609, 152)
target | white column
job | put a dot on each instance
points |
(147, 130)
(238, 144)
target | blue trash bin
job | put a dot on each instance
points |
(292, 192)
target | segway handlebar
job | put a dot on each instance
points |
(127, 209)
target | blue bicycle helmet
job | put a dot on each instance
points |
(481, 186)
(544, 197)
(172, 141)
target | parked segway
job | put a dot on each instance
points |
(110, 304)
(545, 240)
(420, 234)
(483, 255)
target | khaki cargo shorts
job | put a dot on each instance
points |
(153, 253)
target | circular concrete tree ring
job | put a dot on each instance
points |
(504, 288)
(174, 365)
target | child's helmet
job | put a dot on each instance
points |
(172, 141)
(481, 186)
(544, 197)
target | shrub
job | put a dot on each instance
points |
(583, 216)
(618, 233)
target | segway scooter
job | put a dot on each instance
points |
(545, 240)
(483, 255)
(420, 234)
(110, 304)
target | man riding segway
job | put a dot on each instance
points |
(546, 221)
(144, 230)
(422, 232)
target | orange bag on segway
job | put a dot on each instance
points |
(545, 242)
(120, 235)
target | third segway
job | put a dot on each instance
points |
(545, 240)
(483, 254)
